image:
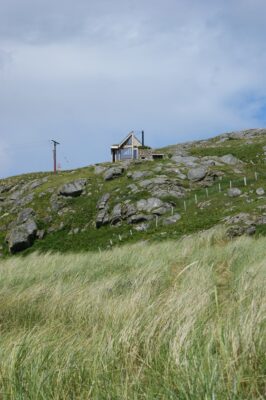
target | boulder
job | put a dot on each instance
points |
(103, 201)
(116, 215)
(234, 192)
(140, 174)
(102, 218)
(229, 159)
(197, 174)
(73, 189)
(22, 236)
(112, 173)
(172, 219)
(149, 204)
(188, 161)
(24, 215)
(260, 191)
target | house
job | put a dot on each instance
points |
(131, 148)
(128, 149)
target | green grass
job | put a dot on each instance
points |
(171, 320)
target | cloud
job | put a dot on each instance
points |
(87, 72)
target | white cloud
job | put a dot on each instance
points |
(89, 71)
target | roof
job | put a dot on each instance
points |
(117, 146)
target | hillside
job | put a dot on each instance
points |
(176, 320)
(195, 187)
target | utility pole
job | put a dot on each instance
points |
(54, 153)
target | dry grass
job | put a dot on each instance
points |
(176, 320)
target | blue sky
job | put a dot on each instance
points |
(87, 72)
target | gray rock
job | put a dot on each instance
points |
(116, 215)
(24, 215)
(103, 201)
(137, 218)
(261, 220)
(98, 169)
(40, 234)
(149, 204)
(141, 227)
(188, 161)
(172, 219)
(22, 236)
(234, 192)
(112, 173)
(162, 210)
(73, 189)
(140, 174)
(129, 210)
(133, 188)
(197, 174)
(260, 191)
(102, 218)
(25, 200)
(229, 159)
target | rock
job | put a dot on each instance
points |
(261, 220)
(149, 205)
(112, 173)
(24, 215)
(141, 227)
(229, 159)
(234, 192)
(172, 219)
(140, 174)
(162, 210)
(197, 174)
(237, 230)
(25, 200)
(56, 203)
(73, 189)
(188, 161)
(243, 218)
(129, 210)
(40, 234)
(260, 191)
(135, 219)
(103, 201)
(22, 236)
(102, 218)
(116, 215)
(98, 169)
(133, 188)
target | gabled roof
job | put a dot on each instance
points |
(127, 137)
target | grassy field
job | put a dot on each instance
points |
(179, 320)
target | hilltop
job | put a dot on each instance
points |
(196, 186)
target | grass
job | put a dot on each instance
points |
(181, 319)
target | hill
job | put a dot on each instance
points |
(173, 320)
(104, 205)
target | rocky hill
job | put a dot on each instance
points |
(196, 186)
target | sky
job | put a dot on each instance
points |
(86, 73)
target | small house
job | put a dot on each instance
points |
(128, 149)
(132, 148)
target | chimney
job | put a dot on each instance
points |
(142, 138)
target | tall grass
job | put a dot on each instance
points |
(176, 320)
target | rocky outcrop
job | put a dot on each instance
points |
(113, 173)
(23, 233)
(197, 174)
(229, 159)
(73, 189)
